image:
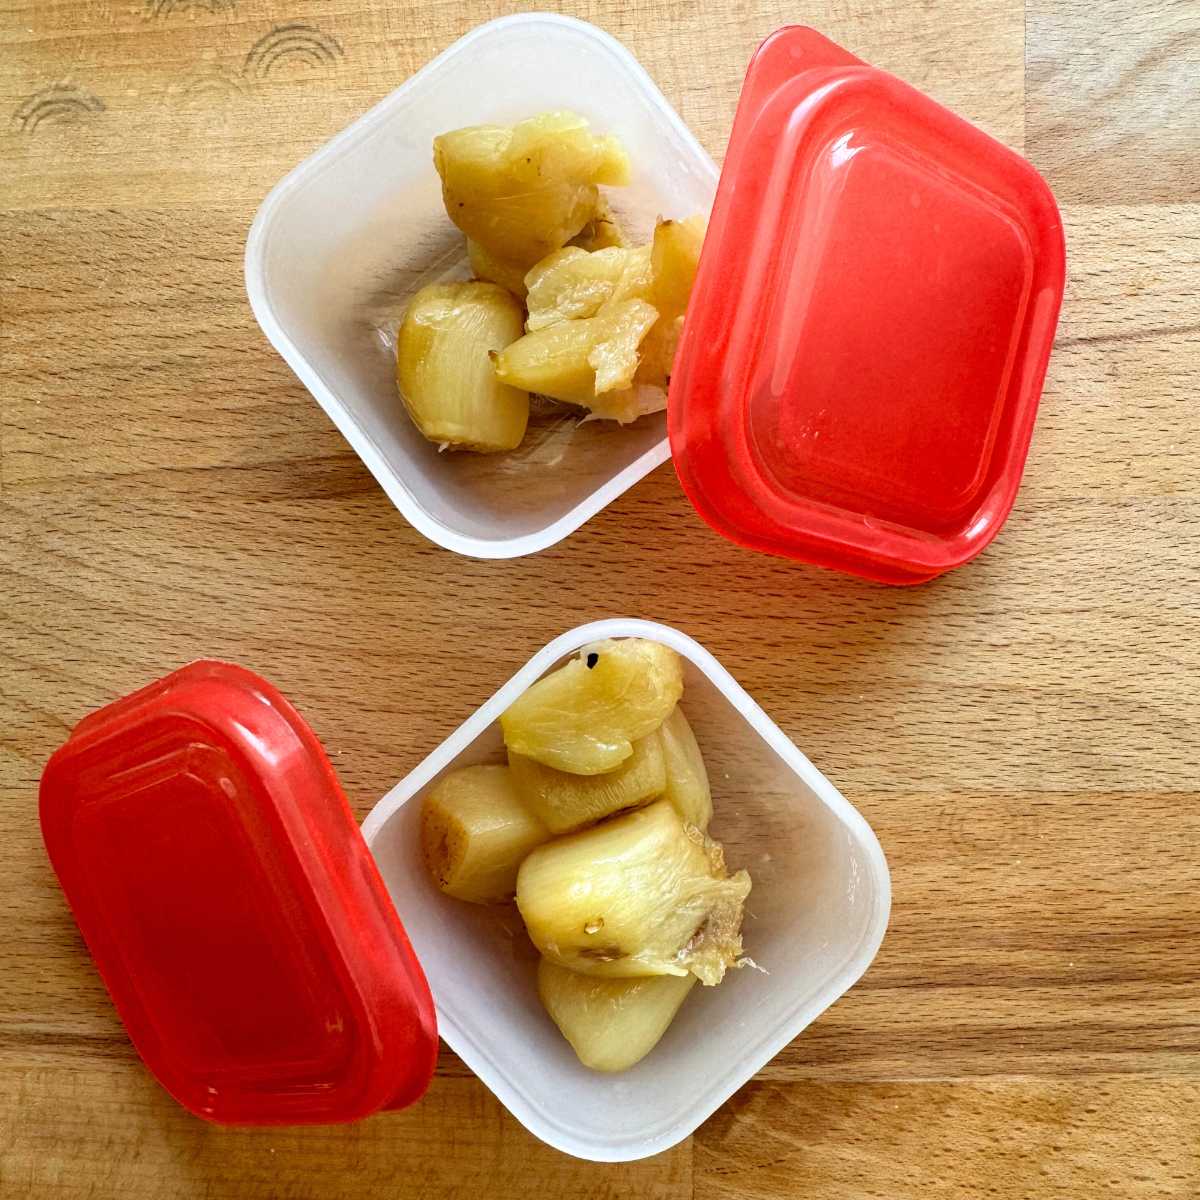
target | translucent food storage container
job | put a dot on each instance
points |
(346, 239)
(273, 964)
(815, 919)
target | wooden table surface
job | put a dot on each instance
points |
(1023, 734)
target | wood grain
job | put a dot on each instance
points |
(1109, 1141)
(117, 1131)
(1024, 735)
(1112, 105)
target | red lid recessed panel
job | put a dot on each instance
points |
(220, 881)
(866, 340)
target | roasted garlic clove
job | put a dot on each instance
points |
(526, 191)
(611, 1023)
(687, 788)
(571, 284)
(575, 361)
(444, 370)
(565, 802)
(674, 257)
(641, 894)
(614, 357)
(475, 833)
(585, 717)
(490, 267)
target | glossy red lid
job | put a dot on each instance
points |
(867, 337)
(239, 922)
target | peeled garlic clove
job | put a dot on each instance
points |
(614, 357)
(476, 832)
(566, 802)
(585, 717)
(610, 1023)
(674, 258)
(444, 370)
(571, 284)
(560, 145)
(577, 361)
(687, 789)
(637, 895)
(525, 191)
(552, 361)
(490, 267)
(637, 277)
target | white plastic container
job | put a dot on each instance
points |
(342, 243)
(816, 917)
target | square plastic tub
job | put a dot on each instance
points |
(815, 919)
(342, 243)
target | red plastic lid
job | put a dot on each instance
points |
(865, 346)
(239, 922)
